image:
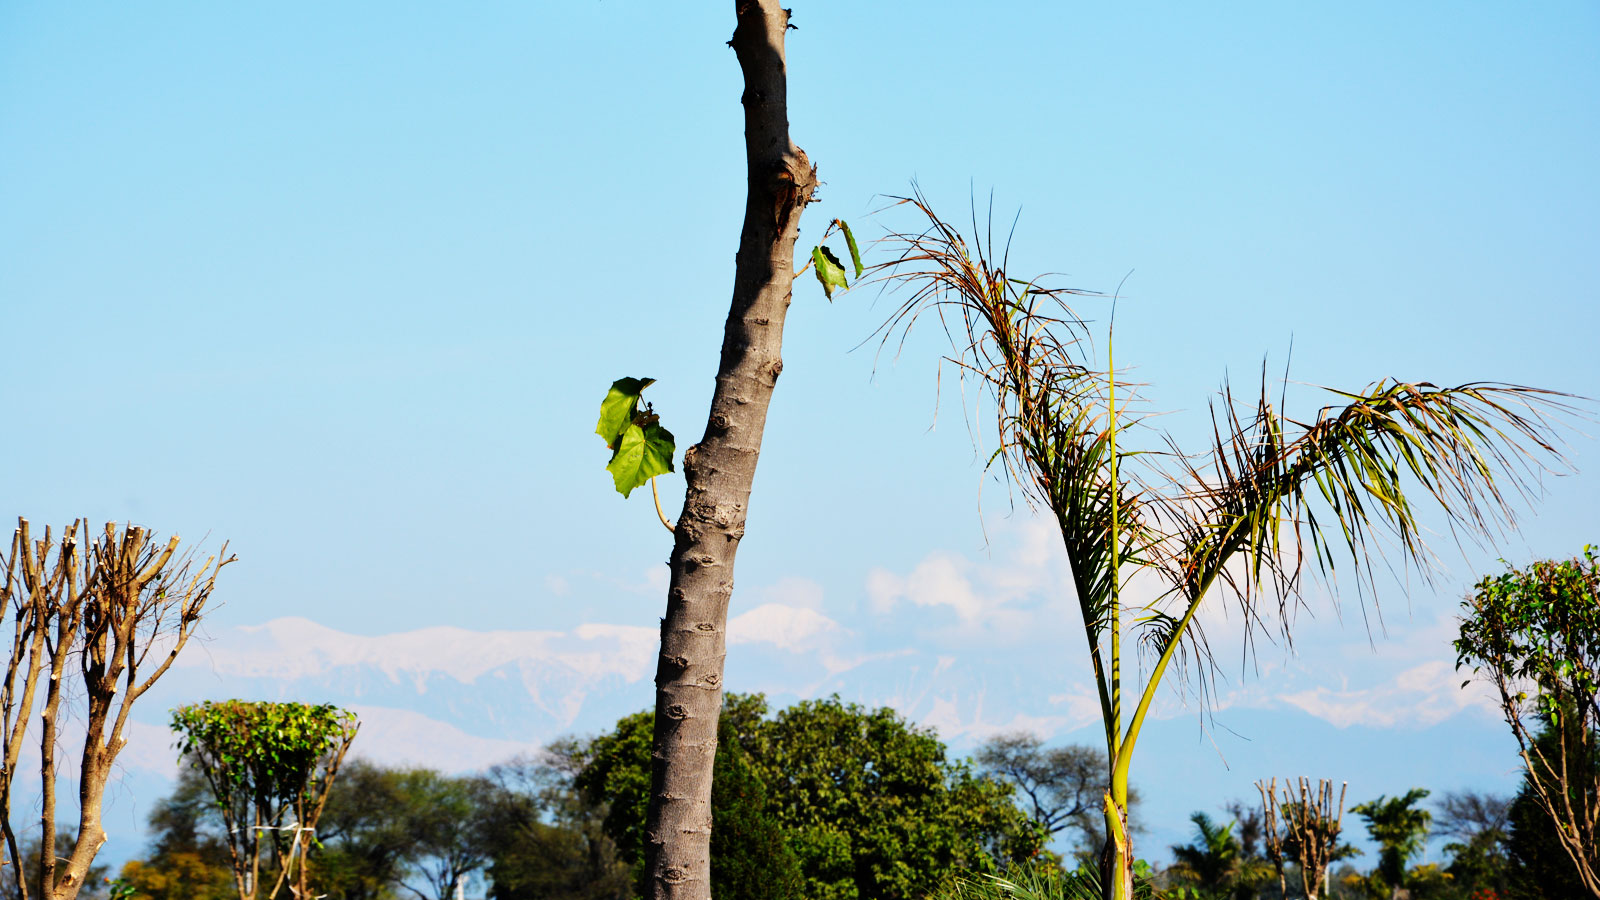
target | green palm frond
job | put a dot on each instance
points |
(1071, 466)
(1471, 449)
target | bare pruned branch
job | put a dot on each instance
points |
(97, 607)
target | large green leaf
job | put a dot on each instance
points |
(829, 270)
(617, 410)
(643, 452)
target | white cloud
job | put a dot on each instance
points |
(149, 749)
(292, 648)
(787, 627)
(1015, 599)
(792, 590)
(1418, 697)
(945, 715)
(939, 580)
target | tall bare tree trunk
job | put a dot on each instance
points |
(718, 471)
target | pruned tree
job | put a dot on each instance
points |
(107, 615)
(1302, 826)
(1237, 523)
(1534, 634)
(270, 767)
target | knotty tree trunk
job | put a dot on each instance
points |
(718, 471)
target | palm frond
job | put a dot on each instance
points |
(1022, 342)
(1344, 487)
(1472, 449)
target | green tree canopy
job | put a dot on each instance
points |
(1534, 634)
(869, 805)
(270, 767)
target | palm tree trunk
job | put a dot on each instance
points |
(1116, 860)
(719, 470)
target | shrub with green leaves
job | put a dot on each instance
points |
(270, 767)
(1534, 634)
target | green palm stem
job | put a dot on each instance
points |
(1124, 756)
(1116, 607)
(1117, 810)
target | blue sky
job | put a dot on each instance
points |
(344, 285)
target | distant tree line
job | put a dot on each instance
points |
(823, 800)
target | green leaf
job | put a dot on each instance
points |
(855, 252)
(618, 408)
(829, 270)
(643, 452)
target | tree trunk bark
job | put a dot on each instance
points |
(719, 470)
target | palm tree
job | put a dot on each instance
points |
(1214, 862)
(1236, 523)
(1400, 829)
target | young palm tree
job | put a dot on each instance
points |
(1212, 861)
(1400, 829)
(1235, 524)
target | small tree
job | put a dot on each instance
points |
(547, 839)
(1479, 824)
(364, 835)
(1062, 786)
(1400, 828)
(750, 856)
(447, 819)
(108, 614)
(1539, 863)
(1534, 634)
(1236, 522)
(270, 767)
(1214, 861)
(1302, 826)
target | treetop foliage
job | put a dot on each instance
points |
(868, 804)
(271, 750)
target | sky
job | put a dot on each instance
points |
(344, 285)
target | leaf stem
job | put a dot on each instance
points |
(656, 495)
